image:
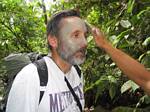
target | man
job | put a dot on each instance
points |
(66, 38)
(133, 69)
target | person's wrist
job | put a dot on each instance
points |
(105, 46)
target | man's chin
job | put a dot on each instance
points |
(77, 61)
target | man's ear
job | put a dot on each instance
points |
(52, 40)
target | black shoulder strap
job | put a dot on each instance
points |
(43, 74)
(78, 70)
(76, 98)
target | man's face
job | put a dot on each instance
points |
(72, 42)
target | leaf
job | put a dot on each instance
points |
(107, 57)
(146, 42)
(100, 89)
(145, 60)
(130, 6)
(146, 99)
(112, 38)
(112, 79)
(129, 85)
(125, 23)
(141, 12)
(112, 91)
(121, 36)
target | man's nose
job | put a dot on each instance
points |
(84, 43)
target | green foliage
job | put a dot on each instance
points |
(21, 28)
(127, 25)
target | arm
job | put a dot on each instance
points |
(130, 67)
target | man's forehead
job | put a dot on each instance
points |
(72, 18)
(72, 21)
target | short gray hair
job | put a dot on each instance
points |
(53, 24)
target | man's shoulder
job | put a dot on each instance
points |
(28, 72)
(30, 68)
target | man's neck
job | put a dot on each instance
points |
(62, 64)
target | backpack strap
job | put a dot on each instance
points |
(78, 70)
(76, 98)
(43, 74)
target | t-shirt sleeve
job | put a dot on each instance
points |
(24, 93)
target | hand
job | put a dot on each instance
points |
(99, 37)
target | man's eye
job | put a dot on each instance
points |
(76, 35)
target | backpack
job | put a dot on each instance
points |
(13, 63)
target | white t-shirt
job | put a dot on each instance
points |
(25, 91)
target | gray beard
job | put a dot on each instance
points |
(71, 59)
(76, 61)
